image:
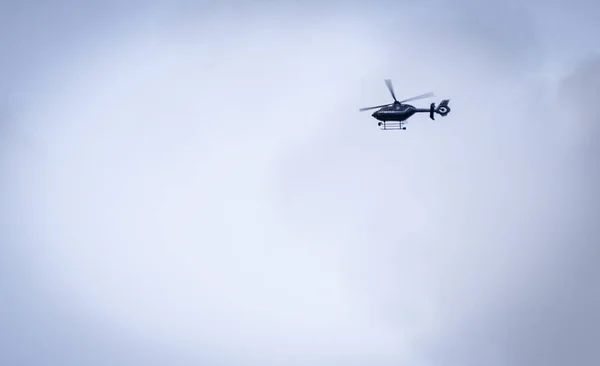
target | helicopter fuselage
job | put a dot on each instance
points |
(397, 112)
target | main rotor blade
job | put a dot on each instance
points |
(422, 96)
(388, 82)
(379, 106)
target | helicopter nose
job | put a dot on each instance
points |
(376, 114)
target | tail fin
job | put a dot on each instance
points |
(431, 111)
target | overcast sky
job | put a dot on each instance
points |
(192, 183)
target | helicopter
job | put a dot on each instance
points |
(393, 116)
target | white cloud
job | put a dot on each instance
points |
(152, 190)
(213, 187)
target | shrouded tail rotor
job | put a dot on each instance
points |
(443, 109)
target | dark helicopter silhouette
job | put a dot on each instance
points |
(392, 116)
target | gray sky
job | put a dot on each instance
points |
(193, 183)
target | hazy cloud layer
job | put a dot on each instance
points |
(197, 187)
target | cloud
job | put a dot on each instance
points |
(548, 314)
(211, 189)
(147, 195)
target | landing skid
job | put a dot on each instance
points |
(391, 125)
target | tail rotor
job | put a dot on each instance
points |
(443, 109)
